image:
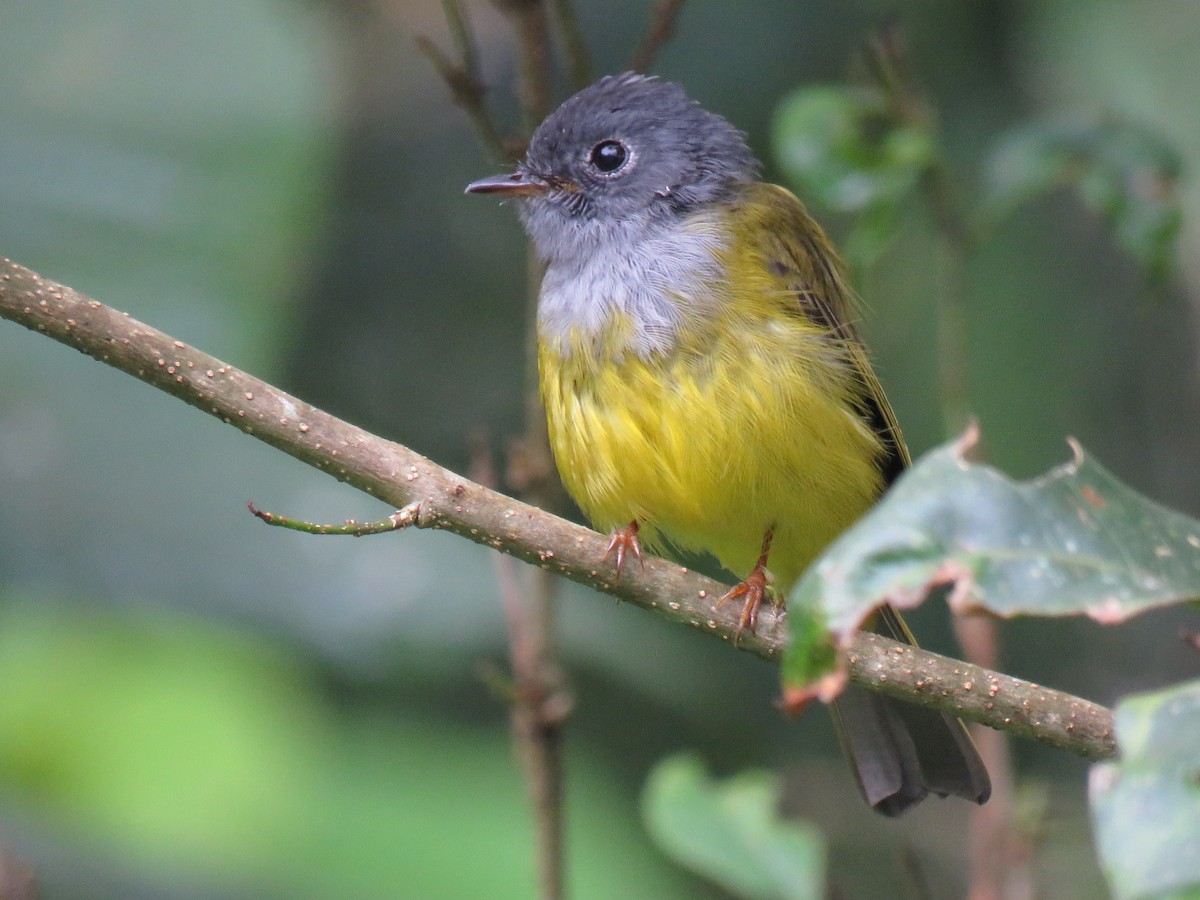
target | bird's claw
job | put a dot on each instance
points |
(755, 589)
(624, 540)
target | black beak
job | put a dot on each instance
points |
(517, 184)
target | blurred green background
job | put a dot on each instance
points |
(193, 705)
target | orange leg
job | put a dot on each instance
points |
(625, 540)
(754, 589)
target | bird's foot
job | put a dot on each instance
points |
(624, 540)
(756, 590)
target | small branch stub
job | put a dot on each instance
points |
(397, 521)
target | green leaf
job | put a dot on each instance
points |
(810, 668)
(730, 832)
(844, 148)
(1075, 540)
(1146, 806)
(1127, 174)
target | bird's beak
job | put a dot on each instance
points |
(516, 184)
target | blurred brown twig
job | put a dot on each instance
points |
(661, 30)
(461, 75)
(538, 710)
(995, 845)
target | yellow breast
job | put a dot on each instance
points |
(709, 446)
(739, 401)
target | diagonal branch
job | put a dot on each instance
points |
(447, 501)
(468, 91)
(661, 29)
(574, 47)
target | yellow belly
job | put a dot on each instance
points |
(711, 445)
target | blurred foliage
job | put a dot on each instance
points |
(1128, 174)
(188, 751)
(280, 183)
(844, 149)
(861, 151)
(732, 832)
(1146, 806)
(133, 697)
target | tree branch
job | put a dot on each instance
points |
(999, 850)
(540, 698)
(662, 27)
(447, 501)
(532, 29)
(537, 711)
(462, 77)
(578, 61)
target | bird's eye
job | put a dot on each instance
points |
(608, 156)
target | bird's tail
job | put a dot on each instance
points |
(902, 752)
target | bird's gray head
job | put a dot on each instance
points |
(622, 155)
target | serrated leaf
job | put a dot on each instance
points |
(1146, 806)
(1129, 175)
(730, 832)
(1074, 541)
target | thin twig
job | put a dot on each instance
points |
(888, 63)
(529, 21)
(460, 33)
(540, 710)
(1000, 856)
(661, 30)
(579, 62)
(397, 521)
(541, 699)
(462, 78)
(398, 476)
(468, 95)
(995, 851)
(538, 722)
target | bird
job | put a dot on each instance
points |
(704, 381)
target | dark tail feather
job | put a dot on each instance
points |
(902, 752)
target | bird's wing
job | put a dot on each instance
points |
(799, 261)
(899, 751)
(798, 257)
